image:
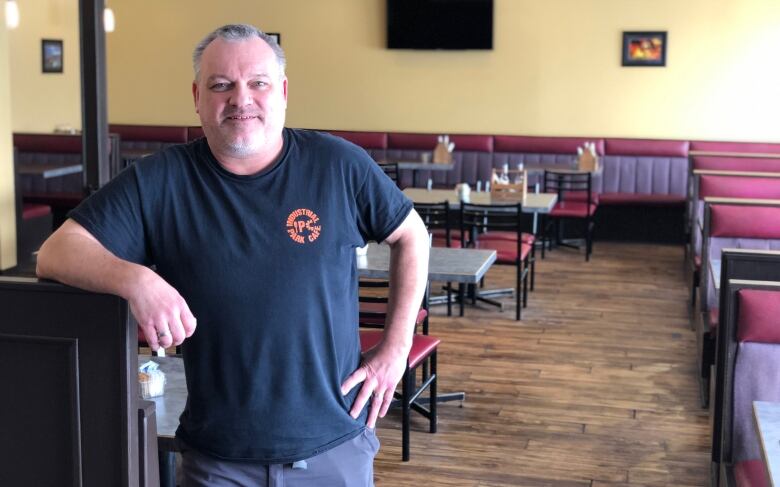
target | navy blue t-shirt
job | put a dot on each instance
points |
(267, 265)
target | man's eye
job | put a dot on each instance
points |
(259, 84)
(220, 86)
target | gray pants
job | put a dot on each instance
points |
(351, 464)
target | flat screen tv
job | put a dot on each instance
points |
(440, 24)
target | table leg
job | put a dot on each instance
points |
(167, 461)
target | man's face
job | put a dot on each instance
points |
(241, 98)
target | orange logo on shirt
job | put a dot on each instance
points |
(303, 226)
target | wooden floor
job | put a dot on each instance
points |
(596, 386)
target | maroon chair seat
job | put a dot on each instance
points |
(528, 238)
(751, 473)
(506, 250)
(422, 345)
(32, 210)
(573, 209)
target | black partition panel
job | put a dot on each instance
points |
(68, 413)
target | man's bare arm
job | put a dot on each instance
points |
(75, 257)
(383, 366)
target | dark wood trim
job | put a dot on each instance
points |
(94, 99)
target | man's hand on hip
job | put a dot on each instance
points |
(380, 371)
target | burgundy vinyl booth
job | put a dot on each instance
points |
(750, 353)
(720, 186)
(734, 227)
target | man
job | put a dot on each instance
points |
(252, 231)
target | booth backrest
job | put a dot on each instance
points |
(738, 187)
(644, 167)
(724, 163)
(152, 137)
(742, 147)
(48, 149)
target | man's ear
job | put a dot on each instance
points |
(195, 95)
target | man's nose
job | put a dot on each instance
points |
(241, 96)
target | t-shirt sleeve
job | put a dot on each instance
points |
(382, 207)
(113, 215)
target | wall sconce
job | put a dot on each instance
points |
(11, 14)
(109, 23)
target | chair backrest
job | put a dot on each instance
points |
(373, 297)
(391, 169)
(750, 347)
(737, 264)
(569, 185)
(436, 216)
(476, 219)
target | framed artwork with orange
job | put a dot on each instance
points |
(644, 48)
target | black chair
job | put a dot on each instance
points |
(575, 202)
(391, 169)
(438, 221)
(477, 220)
(373, 302)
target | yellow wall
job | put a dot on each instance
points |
(555, 68)
(7, 200)
(42, 101)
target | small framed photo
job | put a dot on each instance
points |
(644, 48)
(51, 56)
(277, 37)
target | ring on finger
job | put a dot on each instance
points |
(162, 333)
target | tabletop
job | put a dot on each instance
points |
(47, 171)
(534, 202)
(766, 416)
(445, 264)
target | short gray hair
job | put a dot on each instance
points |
(238, 32)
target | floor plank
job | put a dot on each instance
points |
(596, 386)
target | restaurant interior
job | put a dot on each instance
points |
(601, 184)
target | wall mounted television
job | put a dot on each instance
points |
(440, 24)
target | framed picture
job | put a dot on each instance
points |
(51, 56)
(644, 48)
(277, 36)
